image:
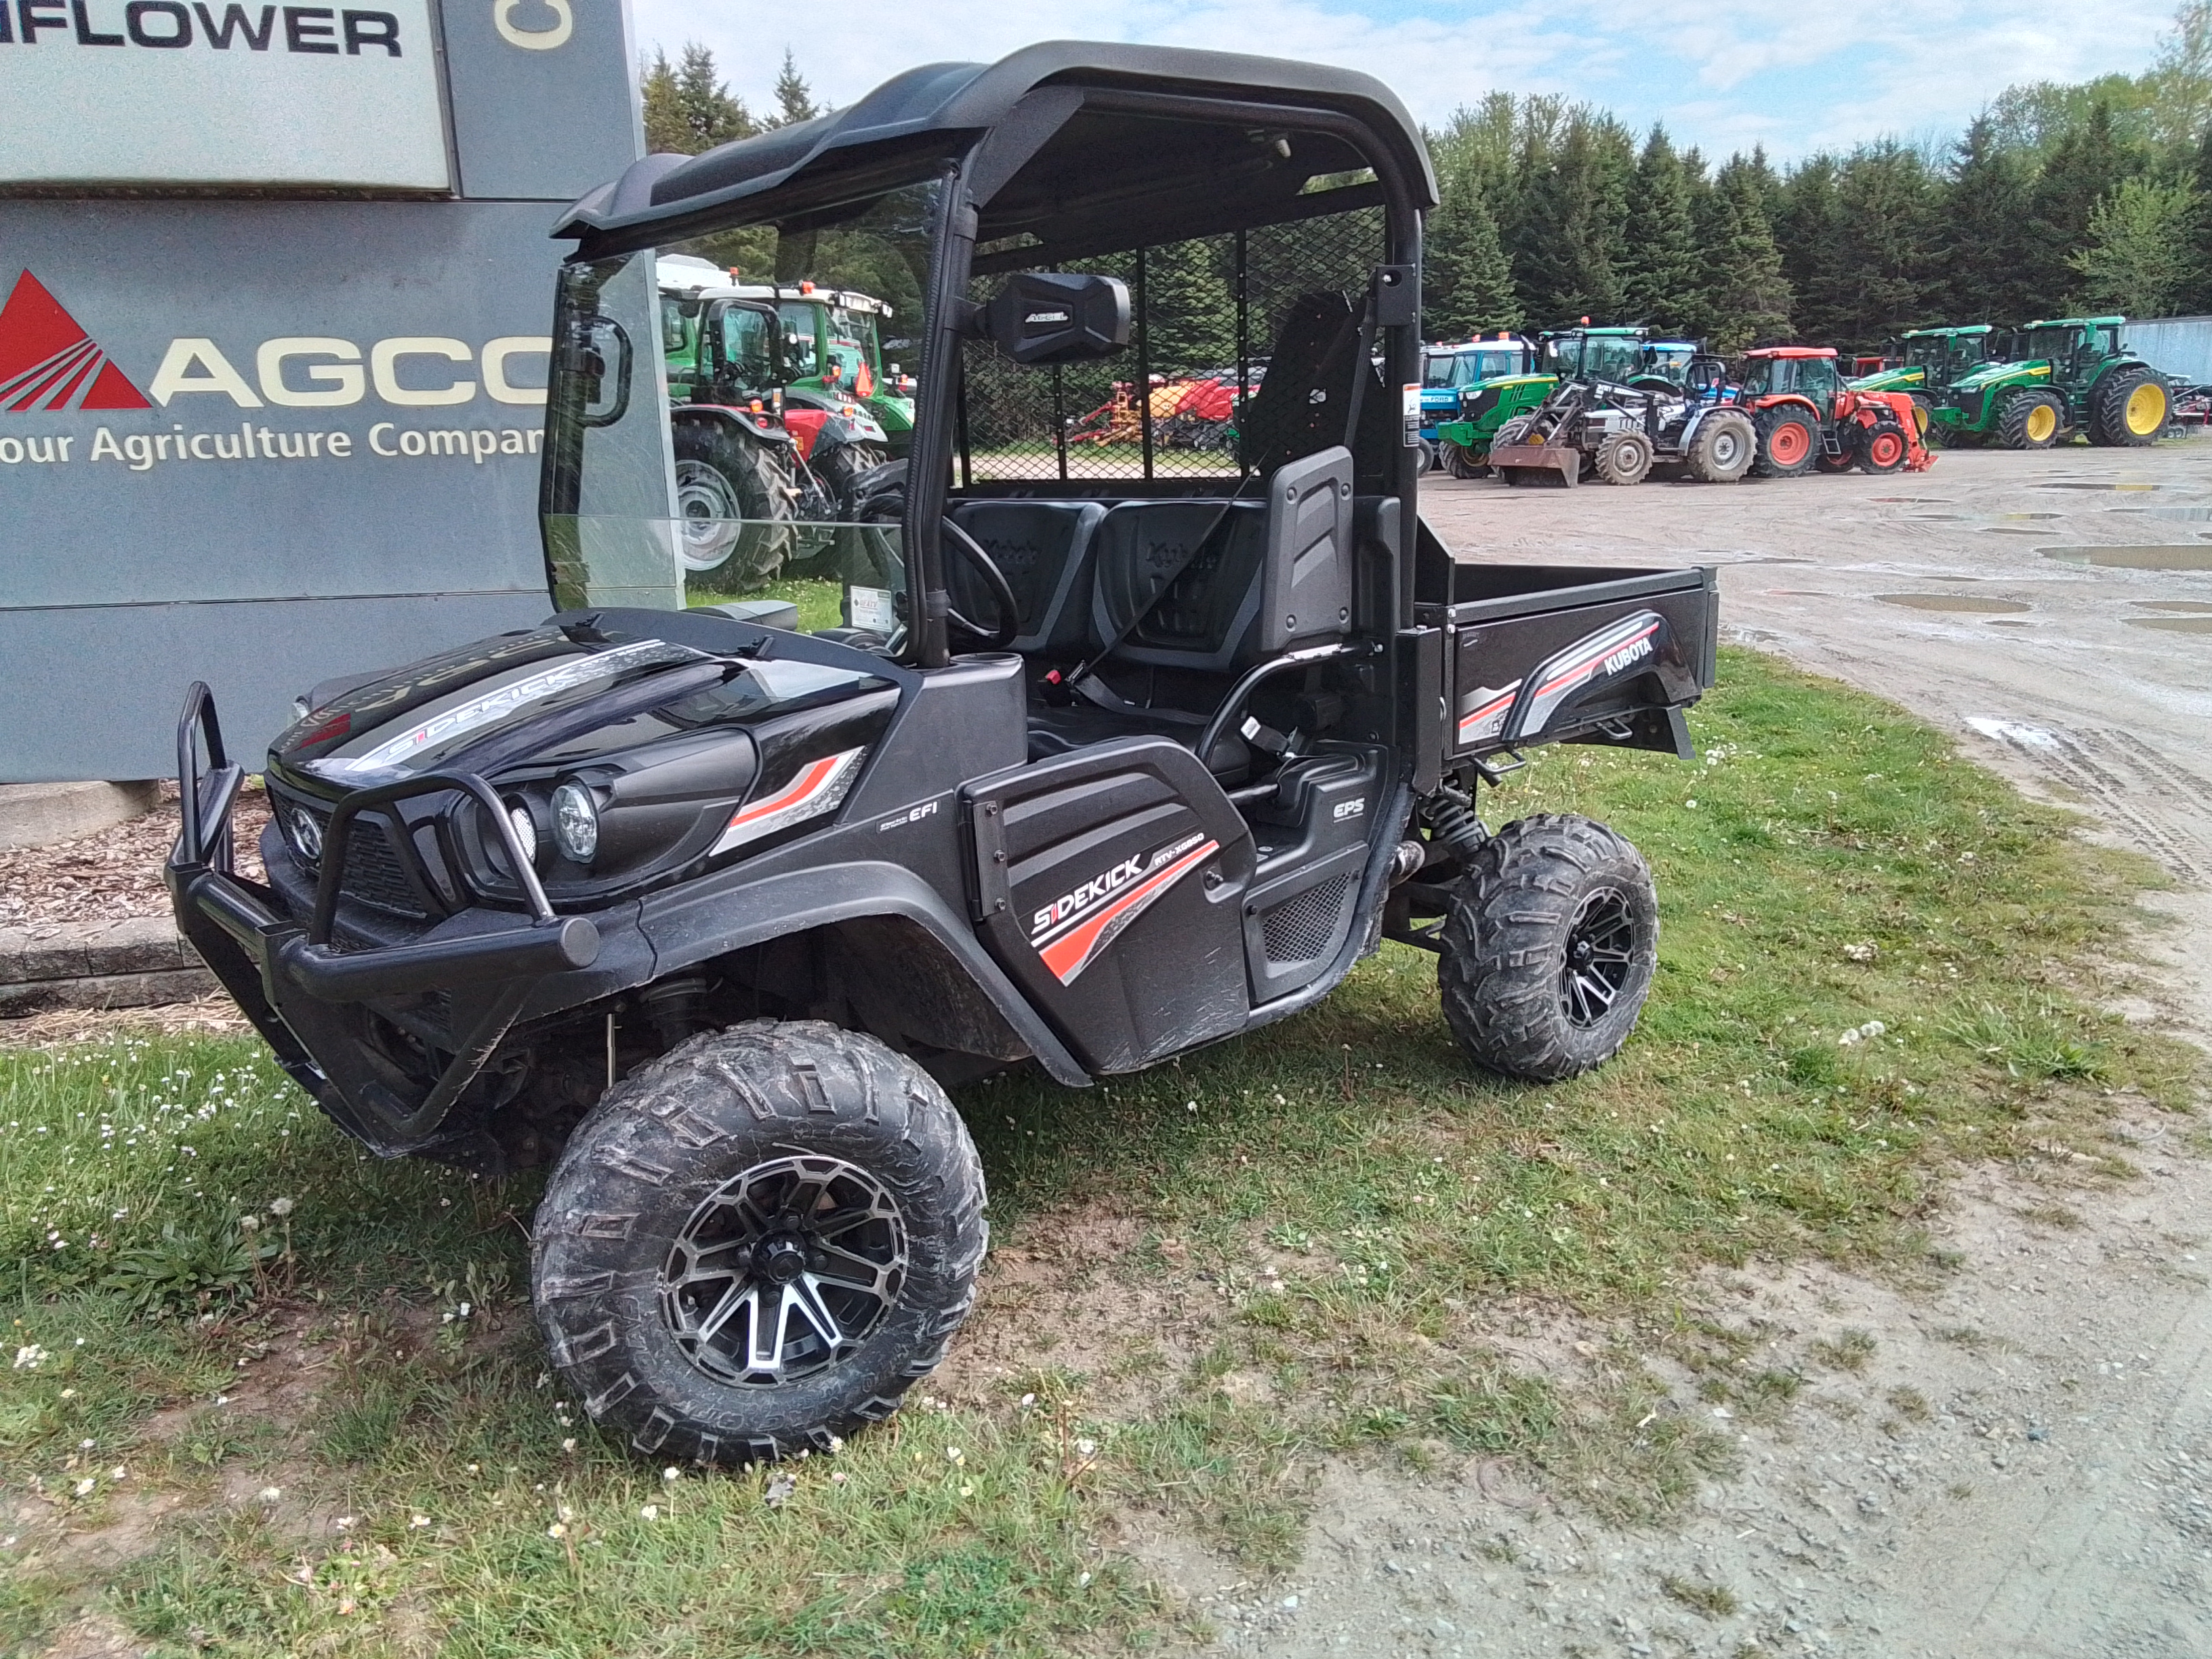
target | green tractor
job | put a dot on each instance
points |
(1619, 356)
(831, 349)
(2051, 380)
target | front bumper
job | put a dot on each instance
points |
(388, 1039)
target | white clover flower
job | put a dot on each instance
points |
(671, 1475)
(649, 1512)
(84, 1487)
(556, 1530)
(280, 1207)
(271, 1494)
(568, 1445)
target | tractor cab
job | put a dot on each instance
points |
(1665, 365)
(1453, 376)
(1808, 371)
(1614, 354)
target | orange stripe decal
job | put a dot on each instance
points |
(1070, 955)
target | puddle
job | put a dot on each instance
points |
(2170, 605)
(2186, 514)
(2197, 557)
(1936, 518)
(2126, 489)
(2009, 622)
(1954, 602)
(2010, 517)
(2012, 731)
(1917, 501)
(2173, 624)
(2013, 530)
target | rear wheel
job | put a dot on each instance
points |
(2130, 409)
(1624, 457)
(1787, 443)
(733, 499)
(758, 1243)
(1883, 448)
(2031, 420)
(1549, 947)
(1723, 450)
(1515, 431)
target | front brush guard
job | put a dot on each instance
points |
(304, 995)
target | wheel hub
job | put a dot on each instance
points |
(1599, 957)
(784, 1270)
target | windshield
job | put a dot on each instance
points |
(1595, 356)
(2034, 343)
(738, 465)
(1458, 368)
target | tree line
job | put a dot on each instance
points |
(2057, 200)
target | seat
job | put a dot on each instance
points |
(1044, 550)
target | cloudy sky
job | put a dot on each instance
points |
(1794, 74)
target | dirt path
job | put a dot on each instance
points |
(2021, 1463)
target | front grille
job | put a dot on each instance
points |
(1302, 927)
(373, 874)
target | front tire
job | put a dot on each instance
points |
(1882, 449)
(1549, 948)
(2031, 420)
(734, 503)
(1625, 459)
(758, 1243)
(1722, 451)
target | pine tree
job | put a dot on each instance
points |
(1190, 310)
(2084, 167)
(1574, 219)
(1876, 263)
(794, 99)
(1661, 269)
(1981, 246)
(2198, 297)
(1747, 294)
(688, 109)
(1467, 282)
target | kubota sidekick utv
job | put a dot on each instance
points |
(1137, 750)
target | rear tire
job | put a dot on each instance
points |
(758, 1243)
(2130, 409)
(1549, 948)
(1458, 461)
(1787, 443)
(2031, 420)
(1509, 475)
(1625, 459)
(1724, 447)
(734, 499)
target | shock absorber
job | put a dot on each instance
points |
(1452, 819)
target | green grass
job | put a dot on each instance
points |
(820, 604)
(1349, 1199)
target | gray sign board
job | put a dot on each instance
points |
(264, 441)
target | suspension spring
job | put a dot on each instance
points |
(1452, 819)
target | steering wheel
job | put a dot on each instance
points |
(1002, 593)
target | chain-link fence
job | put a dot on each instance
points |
(1207, 316)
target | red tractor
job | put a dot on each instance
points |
(1807, 413)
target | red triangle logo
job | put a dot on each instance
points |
(48, 363)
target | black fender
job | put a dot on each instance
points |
(686, 929)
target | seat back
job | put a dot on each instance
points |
(1045, 551)
(1189, 570)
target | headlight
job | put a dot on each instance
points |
(575, 822)
(526, 831)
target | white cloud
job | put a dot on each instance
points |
(1792, 74)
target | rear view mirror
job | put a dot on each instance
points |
(1056, 317)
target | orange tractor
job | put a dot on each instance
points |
(1807, 414)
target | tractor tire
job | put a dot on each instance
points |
(2130, 410)
(756, 1244)
(1847, 453)
(1786, 443)
(1883, 448)
(1724, 447)
(1624, 459)
(1513, 431)
(1549, 948)
(1511, 476)
(1458, 460)
(2031, 420)
(734, 499)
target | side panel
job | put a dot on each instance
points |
(1542, 678)
(1108, 884)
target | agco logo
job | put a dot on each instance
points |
(50, 365)
(47, 362)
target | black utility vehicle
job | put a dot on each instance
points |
(1134, 748)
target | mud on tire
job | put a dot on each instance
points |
(808, 1167)
(1549, 947)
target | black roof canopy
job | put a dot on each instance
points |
(1088, 143)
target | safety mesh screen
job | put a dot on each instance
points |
(1303, 928)
(1205, 315)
